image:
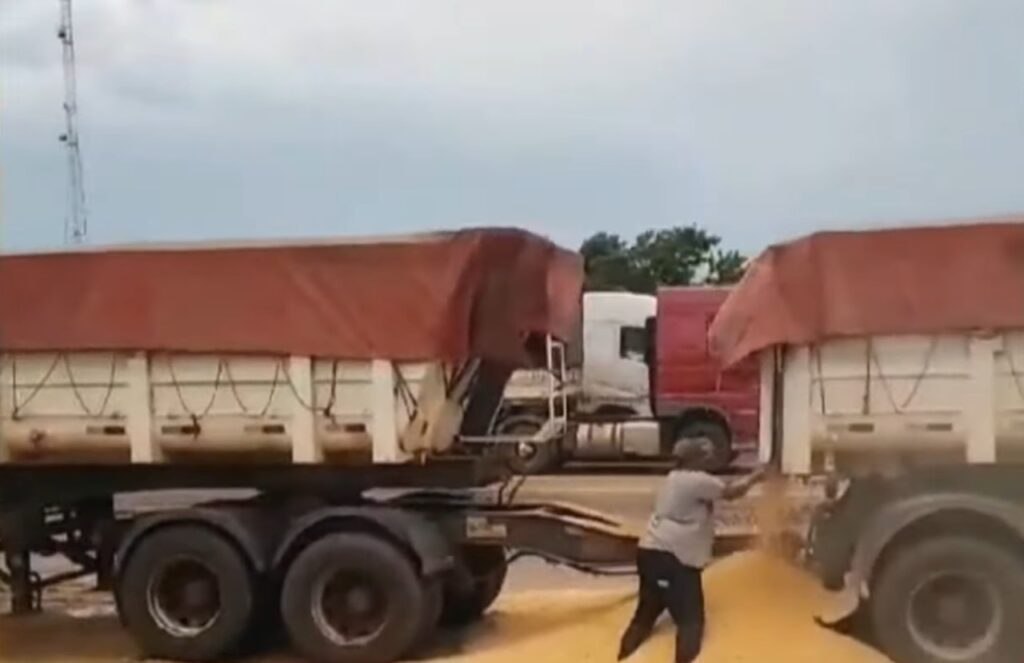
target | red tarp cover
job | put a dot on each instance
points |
(901, 281)
(473, 293)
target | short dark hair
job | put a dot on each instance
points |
(693, 452)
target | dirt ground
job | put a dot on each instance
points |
(760, 610)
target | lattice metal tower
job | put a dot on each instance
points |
(76, 223)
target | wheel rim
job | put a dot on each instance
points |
(955, 616)
(184, 597)
(526, 450)
(348, 608)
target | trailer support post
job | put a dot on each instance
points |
(19, 565)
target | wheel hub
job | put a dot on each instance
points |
(197, 594)
(348, 610)
(184, 598)
(952, 611)
(955, 616)
(359, 601)
(526, 450)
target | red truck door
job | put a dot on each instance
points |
(688, 377)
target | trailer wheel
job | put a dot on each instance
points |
(352, 598)
(433, 603)
(266, 632)
(950, 599)
(474, 584)
(186, 594)
(717, 434)
(529, 457)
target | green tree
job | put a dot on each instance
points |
(684, 255)
(726, 267)
(607, 263)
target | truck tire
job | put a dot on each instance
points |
(529, 457)
(474, 584)
(950, 599)
(353, 598)
(266, 632)
(186, 594)
(714, 432)
(433, 603)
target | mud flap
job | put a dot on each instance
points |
(838, 607)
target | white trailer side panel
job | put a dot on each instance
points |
(144, 408)
(891, 401)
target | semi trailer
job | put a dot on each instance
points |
(892, 379)
(347, 386)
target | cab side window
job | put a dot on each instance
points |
(633, 343)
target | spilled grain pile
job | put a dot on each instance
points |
(760, 610)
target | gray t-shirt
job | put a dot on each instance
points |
(683, 522)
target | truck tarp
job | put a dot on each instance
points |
(900, 281)
(440, 296)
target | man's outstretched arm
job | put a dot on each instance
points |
(737, 488)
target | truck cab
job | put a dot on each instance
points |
(641, 376)
(690, 385)
(616, 376)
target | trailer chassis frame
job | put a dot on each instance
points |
(76, 519)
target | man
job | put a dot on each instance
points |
(677, 546)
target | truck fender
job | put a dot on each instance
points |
(676, 413)
(250, 529)
(536, 417)
(416, 534)
(890, 521)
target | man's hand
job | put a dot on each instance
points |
(740, 487)
(759, 474)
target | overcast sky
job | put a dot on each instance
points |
(759, 119)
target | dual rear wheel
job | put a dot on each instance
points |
(354, 597)
(188, 594)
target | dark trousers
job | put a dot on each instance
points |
(665, 582)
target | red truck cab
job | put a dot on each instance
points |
(689, 386)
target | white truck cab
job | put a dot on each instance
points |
(607, 379)
(615, 373)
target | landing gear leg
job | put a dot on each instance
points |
(23, 594)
